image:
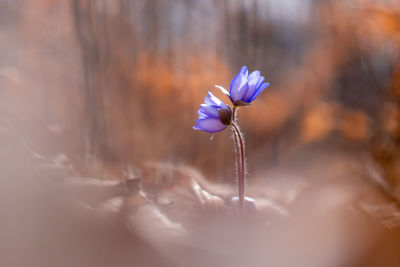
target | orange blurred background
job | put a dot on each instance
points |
(121, 80)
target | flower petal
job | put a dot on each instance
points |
(260, 81)
(208, 101)
(259, 90)
(214, 99)
(223, 90)
(210, 111)
(244, 71)
(210, 125)
(236, 88)
(201, 114)
(254, 77)
(217, 101)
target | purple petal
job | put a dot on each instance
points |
(254, 77)
(208, 101)
(210, 125)
(244, 70)
(201, 114)
(253, 80)
(210, 111)
(238, 88)
(217, 101)
(214, 99)
(258, 91)
(260, 81)
(238, 82)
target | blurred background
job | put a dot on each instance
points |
(101, 88)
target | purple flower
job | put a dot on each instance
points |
(245, 87)
(214, 115)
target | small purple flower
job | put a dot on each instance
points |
(245, 87)
(214, 115)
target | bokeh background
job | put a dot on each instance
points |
(107, 86)
(121, 80)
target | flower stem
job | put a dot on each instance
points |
(240, 159)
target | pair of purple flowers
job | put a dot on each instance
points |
(215, 115)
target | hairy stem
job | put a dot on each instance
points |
(240, 159)
(237, 147)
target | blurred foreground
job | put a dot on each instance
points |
(101, 166)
